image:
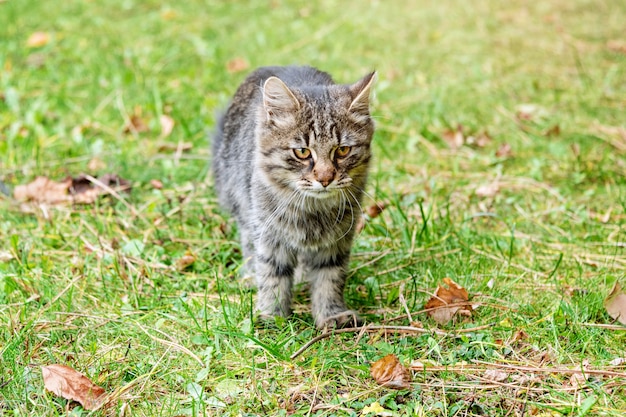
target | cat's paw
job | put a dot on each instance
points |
(342, 319)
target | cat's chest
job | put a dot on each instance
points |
(309, 228)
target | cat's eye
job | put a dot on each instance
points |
(342, 151)
(302, 153)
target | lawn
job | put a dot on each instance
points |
(500, 159)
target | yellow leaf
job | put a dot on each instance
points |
(376, 409)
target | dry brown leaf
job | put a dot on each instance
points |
(495, 375)
(374, 210)
(389, 372)
(38, 39)
(44, 190)
(553, 131)
(615, 304)
(438, 305)
(79, 190)
(65, 382)
(136, 123)
(454, 138)
(504, 151)
(167, 125)
(185, 261)
(237, 65)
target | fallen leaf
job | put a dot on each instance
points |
(237, 65)
(374, 210)
(495, 375)
(439, 305)
(135, 123)
(504, 151)
(65, 382)
(167, 125)
(78, 190)
(389, 372)
(454, 138)
(38, 39)
(44, 190)
(618, 362)
(553, 131)
(185, 261)
(615, 304)
(488, 190)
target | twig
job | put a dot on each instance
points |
(115, 194)
(367, 328)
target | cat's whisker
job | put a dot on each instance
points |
(351, 213)
(278, 211)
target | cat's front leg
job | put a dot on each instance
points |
(327, 276)
(274, 269)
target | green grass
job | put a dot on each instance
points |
(97, 287)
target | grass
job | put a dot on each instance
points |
(102, 289)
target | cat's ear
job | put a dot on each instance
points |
(360, 92)
(279, 102)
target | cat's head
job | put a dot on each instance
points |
(315, 140)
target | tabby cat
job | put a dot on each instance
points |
(290, 162)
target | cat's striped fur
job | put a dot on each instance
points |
(290, 161)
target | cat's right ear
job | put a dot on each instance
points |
(279, 102)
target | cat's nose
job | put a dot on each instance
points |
(324, 176)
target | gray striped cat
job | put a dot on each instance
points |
(290, 162)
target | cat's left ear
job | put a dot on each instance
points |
(360, 92)
(279, 102)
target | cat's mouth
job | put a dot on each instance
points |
(321, 193)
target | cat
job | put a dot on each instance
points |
(290, 163)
